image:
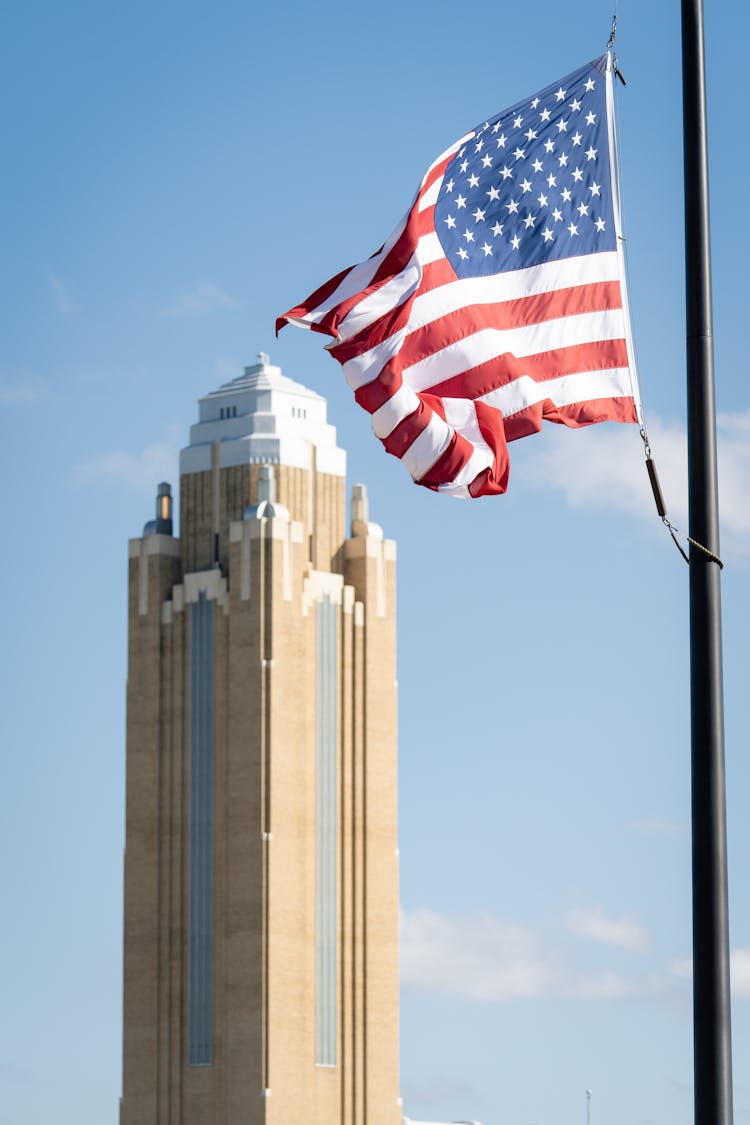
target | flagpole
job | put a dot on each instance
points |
(711, 998)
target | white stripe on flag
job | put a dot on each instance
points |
(489, 343)
(462, 415)
(383, 300)
(429, 249)
(395, 291)
(361, 371)
(448, 152)
(565, 274)
(430, 196)
(563, 391)
(358, 277)
(425, 450)
(400, 406)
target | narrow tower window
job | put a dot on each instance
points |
(326, 952)
(200, 917)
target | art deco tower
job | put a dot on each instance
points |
(261, 897)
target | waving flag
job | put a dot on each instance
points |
(499, 300)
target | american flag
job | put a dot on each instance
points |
(499, 300)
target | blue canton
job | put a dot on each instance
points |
(533, 184)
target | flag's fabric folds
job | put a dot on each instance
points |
(499, 300)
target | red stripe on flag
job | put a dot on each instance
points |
(434, 173)
(406, 432)
(373, 395)
(600, 355)
(575, 415)
(434, 274)
(317, 298)
(522, 312)
(453, 460)
(394, 263)
(494, 480)
(450, 464)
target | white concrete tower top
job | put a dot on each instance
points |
(263, 417)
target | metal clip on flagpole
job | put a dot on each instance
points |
(661, 508)
(611, 47)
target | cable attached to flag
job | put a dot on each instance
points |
(661, 507)
(653, 477)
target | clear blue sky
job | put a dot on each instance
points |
(175, 175)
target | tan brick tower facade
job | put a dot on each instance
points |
(261, 870)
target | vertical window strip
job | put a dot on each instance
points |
(200, 918)
(326, 836)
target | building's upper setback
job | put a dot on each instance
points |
(261, 418)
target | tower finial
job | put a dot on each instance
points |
(264, 358)
(360, 506)
(360, 510)
(162, 525)
(164, 509)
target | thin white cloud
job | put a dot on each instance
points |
(623, 933)
(604, 986)
(20, 394)
(142, 471)
(739, 968)
(682, 967)
(11, 1073)
(734, 472)
(602, 467)
(482, 958)
(204, 298)
(438, 1088)
(739, 971)
(658, 826)
(63, 297)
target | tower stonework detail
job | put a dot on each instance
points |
(261, 869)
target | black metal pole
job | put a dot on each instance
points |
(712, 1045)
